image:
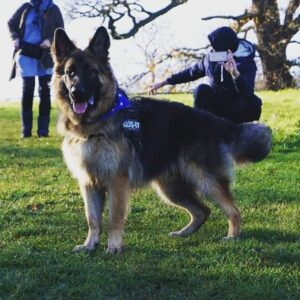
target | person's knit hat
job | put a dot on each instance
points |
(224, 38)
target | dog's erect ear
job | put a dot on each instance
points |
(62, 45)
(100, 43)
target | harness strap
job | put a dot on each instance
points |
(121, 102)
(132, 126)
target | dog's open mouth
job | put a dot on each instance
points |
(81, 107)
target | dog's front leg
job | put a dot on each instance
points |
(118, 193)
(94, 198)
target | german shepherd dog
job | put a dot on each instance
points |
(113, 144)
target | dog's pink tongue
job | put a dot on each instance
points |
(79, 108)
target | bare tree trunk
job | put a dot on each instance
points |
(276, 71)
(272, 43)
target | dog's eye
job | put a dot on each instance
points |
(70, 73)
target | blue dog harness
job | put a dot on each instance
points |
(121, 102)
(131, 124)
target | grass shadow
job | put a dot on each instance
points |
(39, 152)
(270, 236)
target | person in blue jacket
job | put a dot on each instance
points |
(230, 92)
(31, 28)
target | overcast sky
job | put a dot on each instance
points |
(182, 27)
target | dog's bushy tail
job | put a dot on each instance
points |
(252, 142)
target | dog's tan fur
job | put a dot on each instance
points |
(193, 163)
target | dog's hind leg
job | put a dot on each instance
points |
(182, 194)
(118, 193)
(94, 199)
(224, 198)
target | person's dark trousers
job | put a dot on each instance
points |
(234, 108)
(44, 106)
(251, 110)
(206, 99)
(27, 100)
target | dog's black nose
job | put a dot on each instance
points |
(77, 93)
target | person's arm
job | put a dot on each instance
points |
(14, 24)
(187, 75)
(59, 19)
(59, 23)
(243, 75)
(245, 82)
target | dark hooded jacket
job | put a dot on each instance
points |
(52, 19)
(223, 39)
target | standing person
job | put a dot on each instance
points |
(230, 92)
(32, 29)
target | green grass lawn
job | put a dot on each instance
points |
(42, 219)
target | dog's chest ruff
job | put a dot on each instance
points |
(103, 155)
(93, 158)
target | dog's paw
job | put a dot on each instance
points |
(83, 248)
(115, 250)
(115, 244)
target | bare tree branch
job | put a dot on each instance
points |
(157, 62)
(292, 26)
(190, 53)
(113, 11)
(297, 22)
(290, 11)
(293, 63)
(245, 15)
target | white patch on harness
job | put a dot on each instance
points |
(132, 125)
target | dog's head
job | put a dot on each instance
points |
(84, 84)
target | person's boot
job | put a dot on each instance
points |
(26, 124)
(43, 126)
